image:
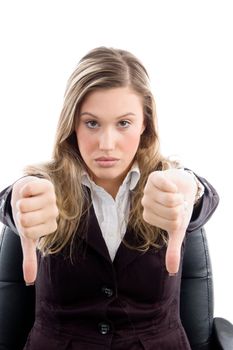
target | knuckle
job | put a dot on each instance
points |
(46, 186)
(151, 177)
(143, 201)
(22, 220)
(50, 197)
(56, 212)
(53, 213)
(170, 201)
(29, 187)
(174, 213)
(23, 205)
(53, 198)
(147, 202)
(19, 184)
(146, 189)
(49, 185)
(54, 226)
(20, 205)
(146, 216)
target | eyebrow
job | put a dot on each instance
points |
(95, 116)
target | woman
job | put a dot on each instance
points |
(108, 217)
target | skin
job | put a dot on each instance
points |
(108, 131)
(168, 203)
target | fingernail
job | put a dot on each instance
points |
(29, 284)
(172, 274)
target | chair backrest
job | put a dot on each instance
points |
(17, 302)
(196, 298)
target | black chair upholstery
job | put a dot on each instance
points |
(17, 301)
(196, 302)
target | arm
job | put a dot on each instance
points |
(6, 216)
(205, 207)
(202, 211)
(169, 202)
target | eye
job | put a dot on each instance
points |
(92, 124)
(124, 123)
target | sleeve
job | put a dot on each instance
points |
(6, 216)
(205, 207)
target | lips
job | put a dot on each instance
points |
(106, 162)
(107, 159)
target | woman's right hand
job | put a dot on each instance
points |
(35, 212)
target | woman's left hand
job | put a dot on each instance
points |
(168, 201)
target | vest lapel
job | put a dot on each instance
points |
(125, 255)
(94, 238)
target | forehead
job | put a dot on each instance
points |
(115, 100)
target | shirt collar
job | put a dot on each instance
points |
(130, 180)
(134, 175)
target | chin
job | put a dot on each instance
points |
(109, 174)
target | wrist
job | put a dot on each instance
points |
(199, 187)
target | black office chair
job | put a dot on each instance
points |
(17, 301)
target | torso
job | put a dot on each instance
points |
(104, 304)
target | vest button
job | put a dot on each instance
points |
(108, 292)
(104, 328)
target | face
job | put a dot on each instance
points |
(108, 130)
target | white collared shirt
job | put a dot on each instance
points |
(113, 214)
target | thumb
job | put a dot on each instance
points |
(29, 260)
(173, 251)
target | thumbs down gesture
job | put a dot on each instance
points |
(168, 202)
(34, 211)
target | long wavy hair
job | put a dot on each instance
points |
(101, 68)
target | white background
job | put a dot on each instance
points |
(187, 49)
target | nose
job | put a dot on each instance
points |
(107, 140)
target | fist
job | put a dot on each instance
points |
(168, 204)
(34, 211)
(34, 207)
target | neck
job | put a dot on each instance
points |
(110, 186)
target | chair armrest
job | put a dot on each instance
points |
(223, 333)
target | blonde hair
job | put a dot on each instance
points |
(101, 68)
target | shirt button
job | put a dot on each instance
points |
(108, 292)
(104, 328)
